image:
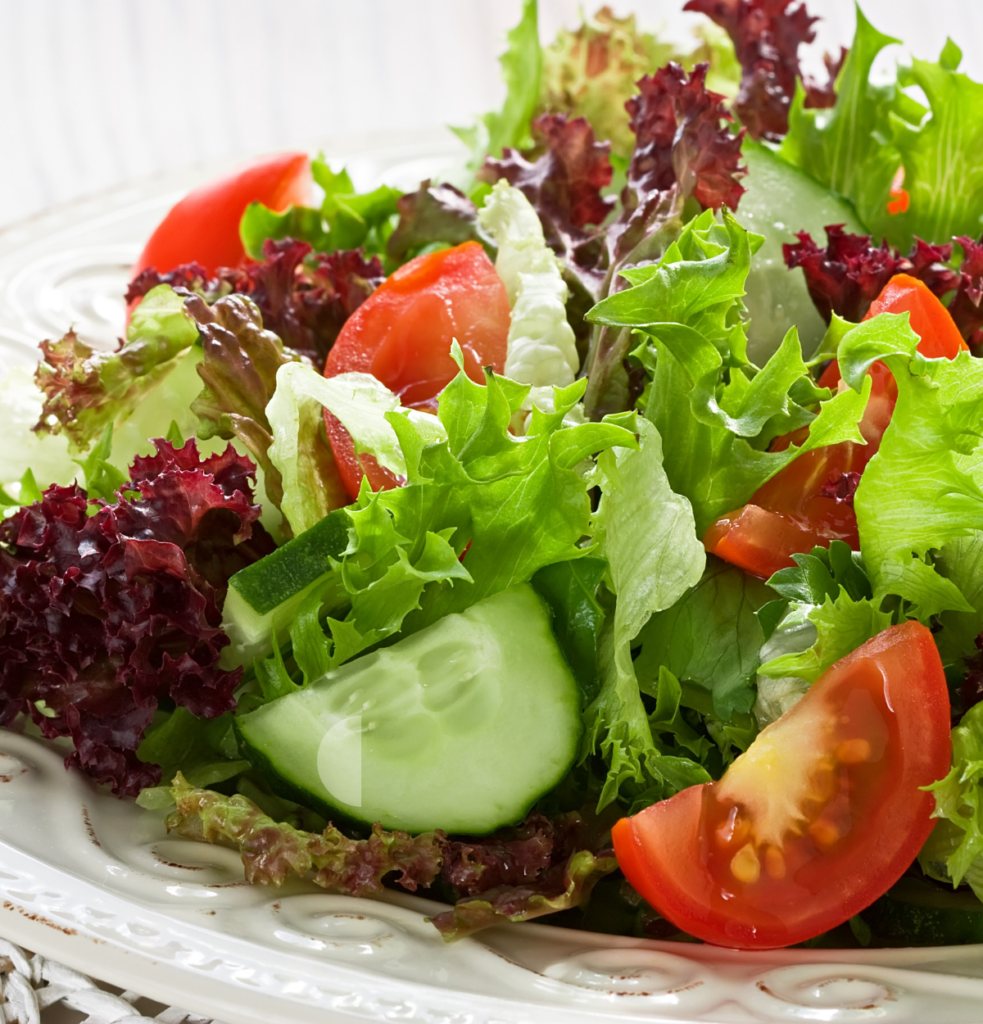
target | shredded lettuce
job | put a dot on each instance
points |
(542, 349)
(647, 534)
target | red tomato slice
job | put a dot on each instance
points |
(402, 335)
(819, 817)
(204, 225)
(792, 515)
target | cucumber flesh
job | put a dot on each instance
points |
(462, 726)
(263, 598)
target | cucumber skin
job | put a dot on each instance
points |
(291, 790)
(294, 566)
(916, 913)
(263, 598)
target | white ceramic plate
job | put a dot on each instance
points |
(96, 883)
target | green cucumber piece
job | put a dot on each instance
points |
(918, 913)
(263, 598)
(781, 200)
(462, 726)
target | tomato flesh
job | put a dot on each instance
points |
(789, 513)
(819, 817)
(402, 336)
(203, 227)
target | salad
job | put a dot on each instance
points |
(596, 531)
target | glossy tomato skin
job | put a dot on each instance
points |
(203, 227)
(789, 514)
(819, 817)
(402, 336)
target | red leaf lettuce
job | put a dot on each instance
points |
(105, 615)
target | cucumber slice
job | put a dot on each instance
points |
(263, 598)
(462, 726)
(918, 913)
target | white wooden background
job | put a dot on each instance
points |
(97, 92)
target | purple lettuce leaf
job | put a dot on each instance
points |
(684, 151)
(86, 390)
(304, 297)
(105, 615)
(238, 367)
(274, 851)
(848, 273)
(767, 35)
(433, 213)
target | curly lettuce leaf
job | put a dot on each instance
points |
(942, 176)
(954, 850)
(434, 215)
(106, 615)
(842, 625)
(924, 487)
(346, 219)
(85, 390)
(238, 368)
(481, 509)
(570, 888)
(647, 534)
(591, 71)
(273, 851)
(720, 411)
(859, 146)
(312, 485)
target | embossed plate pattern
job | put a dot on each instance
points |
(96, 883)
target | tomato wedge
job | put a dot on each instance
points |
(402, 335)
(819, 817)
(203, 227)
(791, 513)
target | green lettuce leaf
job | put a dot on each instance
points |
(85, 390)
(709, 640)
(570, 589)
(924, 487)
(312, 486)
(204, 750)
(481, 510)
(956, 844)
(719, 410)
(842, 625)
(522, 65)
(346, 219)
(942, 172)
(845, 148)
(873, 130)
(646, 532)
